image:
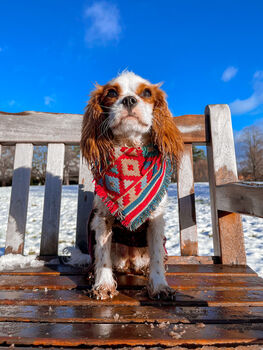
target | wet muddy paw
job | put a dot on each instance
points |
(162, 292)
(103, 292)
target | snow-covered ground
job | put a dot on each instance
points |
(253, 227)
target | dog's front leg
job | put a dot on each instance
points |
(105, 285)
(157, 285)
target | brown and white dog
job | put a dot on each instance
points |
(128, 111)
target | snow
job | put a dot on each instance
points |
(253, 227)
(11, 261)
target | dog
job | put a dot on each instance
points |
(127, 128)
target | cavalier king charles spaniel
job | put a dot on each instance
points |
(127, 114)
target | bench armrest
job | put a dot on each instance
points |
(238, 197)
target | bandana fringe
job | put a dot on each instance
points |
(150, 209)
(113, 207)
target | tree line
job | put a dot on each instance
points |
(249, 152)
(38, 172)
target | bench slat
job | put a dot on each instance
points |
(107, 334)
(240, 198)
(85, 200)
(227, 227)
(135, 314)
(51, 127)
(241, 297)
(186, 204)
(179, 282)
(184, 270)
(16, 226)
(52, 201)
(66, 128)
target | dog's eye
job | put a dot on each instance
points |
(112, 93)
(146, 93)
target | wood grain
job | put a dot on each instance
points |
(193, 260)
(178, 282)
(66, 128)
(131, 314)
(85, 200)
(240, 198)
(58, 334)
(62, 297)
(186, 204)
(40, 127)
(52, 200)
(16, 226)
(210, 270)
(227, 228)
(132, 297)
(184, 270)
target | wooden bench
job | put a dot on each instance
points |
(219, 299)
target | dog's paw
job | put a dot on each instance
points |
(104, 292)
(162, 291)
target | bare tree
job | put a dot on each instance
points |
(6, 165)
(39, 163)
(250, 153)
(71, 164)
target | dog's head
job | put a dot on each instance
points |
(129, 107)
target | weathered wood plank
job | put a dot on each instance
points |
(240, 198)
(210, 270)
(184, 270)
(52, 201)
(129, 334)
(197, 282)
(128, 314)
(192, 128)
(40, 127)
(205, 297)
(47, 282)
(227, 228)
(186, 204)
(66, 128)
(179, 282)
(54, 270)
(215, 282)
(61, 297)
(132, 297)
(16, 226)
(85, 200)
(193, 260)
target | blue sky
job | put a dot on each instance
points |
(52, 51)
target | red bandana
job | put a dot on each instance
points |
(134, 184)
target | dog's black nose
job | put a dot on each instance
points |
(129, 102)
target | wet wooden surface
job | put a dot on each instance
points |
(126, 314)
(180, 282)
(57, 334)
(186, 269)
(51, 306)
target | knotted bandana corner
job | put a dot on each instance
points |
(134, 185)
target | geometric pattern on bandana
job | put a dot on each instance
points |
(134, 185)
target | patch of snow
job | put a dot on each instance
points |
(77, 258)
(11, 261)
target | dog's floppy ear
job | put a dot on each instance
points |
(164, 132)
(96, 146)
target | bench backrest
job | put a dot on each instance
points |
(213, 130)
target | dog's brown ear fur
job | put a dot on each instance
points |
(95, 145)
(164, 132)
